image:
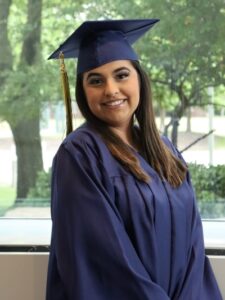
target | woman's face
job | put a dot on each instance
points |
(112, 92)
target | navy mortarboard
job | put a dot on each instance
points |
(95, 43)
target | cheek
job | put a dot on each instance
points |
(89, 94)
(88, 97)
(135, 91)
(92, 98)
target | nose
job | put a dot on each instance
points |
(111, 88)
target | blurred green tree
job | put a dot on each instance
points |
(29, 29)
(18, 104)
(183, 55)
(184, 52)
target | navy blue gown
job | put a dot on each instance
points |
(116, 238)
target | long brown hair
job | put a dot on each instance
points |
(153, 148)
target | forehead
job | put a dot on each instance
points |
(110, 67)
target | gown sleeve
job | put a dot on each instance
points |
(91, 254)
(197, 281)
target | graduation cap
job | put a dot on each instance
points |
(96, 43)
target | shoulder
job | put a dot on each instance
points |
(168, 143)
(172, 148)
(86, 139)
(87, 146)
(83, 134)
(79, 154)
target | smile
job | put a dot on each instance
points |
(114, 103)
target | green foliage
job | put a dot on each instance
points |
(220, 142)
(209, 182)
(209, 185)
(42, 189)
(184, 53)
(185, 49)
(7, 198)
(22, 94)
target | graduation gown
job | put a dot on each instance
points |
(116, 238)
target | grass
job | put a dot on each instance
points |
(219, 142)
(7, 198)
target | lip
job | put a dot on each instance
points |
(114, 103)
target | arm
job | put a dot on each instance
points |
(197, 280)
(91, 255)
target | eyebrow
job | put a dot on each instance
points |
(99, 74)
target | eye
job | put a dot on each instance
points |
(122, 75)
(95, 81)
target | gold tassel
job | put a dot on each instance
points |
(66, 94)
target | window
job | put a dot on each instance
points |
(184, 58)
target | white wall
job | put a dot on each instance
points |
(23, 275)
(218, 265)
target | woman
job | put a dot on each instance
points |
(125, 222)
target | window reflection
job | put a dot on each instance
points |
(184, 61)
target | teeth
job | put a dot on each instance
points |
(114, 103)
